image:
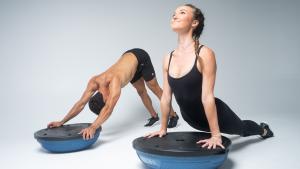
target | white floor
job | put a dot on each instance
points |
(49, 50)
(114, 147)
(114, 150)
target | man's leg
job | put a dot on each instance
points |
(139, 85)
(154, 87)
(142, 91)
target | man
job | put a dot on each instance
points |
(135, 67)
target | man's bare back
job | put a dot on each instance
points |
(124, 69)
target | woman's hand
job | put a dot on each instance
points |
(88, 133)
(55, 124)
(159, 133)
(212, 142)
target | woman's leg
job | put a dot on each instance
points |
(229, 122)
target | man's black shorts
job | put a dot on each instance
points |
(145, 68)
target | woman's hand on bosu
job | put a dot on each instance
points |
(212, 142)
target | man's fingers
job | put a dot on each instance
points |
(152, 135)
(148, 134)
(81, 131)
(49, 125)
(84, 135)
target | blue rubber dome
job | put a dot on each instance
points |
(178, 150)
(65, 138)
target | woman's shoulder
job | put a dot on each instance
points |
(166, 58)
(168, 55)
(206, 53)
(206, 50)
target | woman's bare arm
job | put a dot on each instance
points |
(208, 68)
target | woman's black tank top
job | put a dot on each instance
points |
(187, 91)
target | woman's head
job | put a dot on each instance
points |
(187, 18)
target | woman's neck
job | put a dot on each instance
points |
(185, 42)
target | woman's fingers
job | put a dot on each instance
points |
(214, 146)
(205, 144)
(210, 144)
(221, 146)
(201, 141)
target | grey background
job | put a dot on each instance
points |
(50, 49)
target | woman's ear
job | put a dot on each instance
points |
(195, 23)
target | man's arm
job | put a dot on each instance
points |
(79, 105)
(113, 97)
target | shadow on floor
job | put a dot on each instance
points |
(241, 145)
(228, 164)
(126, 125)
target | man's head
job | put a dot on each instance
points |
(96, 103)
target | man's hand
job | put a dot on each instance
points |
(55, 124)
(88, 133)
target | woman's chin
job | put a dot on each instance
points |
(176, 29)
(179, 30)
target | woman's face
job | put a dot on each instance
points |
(183, 19)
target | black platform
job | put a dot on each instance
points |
(65, 132)
(179, 144)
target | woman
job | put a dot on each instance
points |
(189, 73)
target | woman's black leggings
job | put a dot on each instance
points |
(229, 122)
